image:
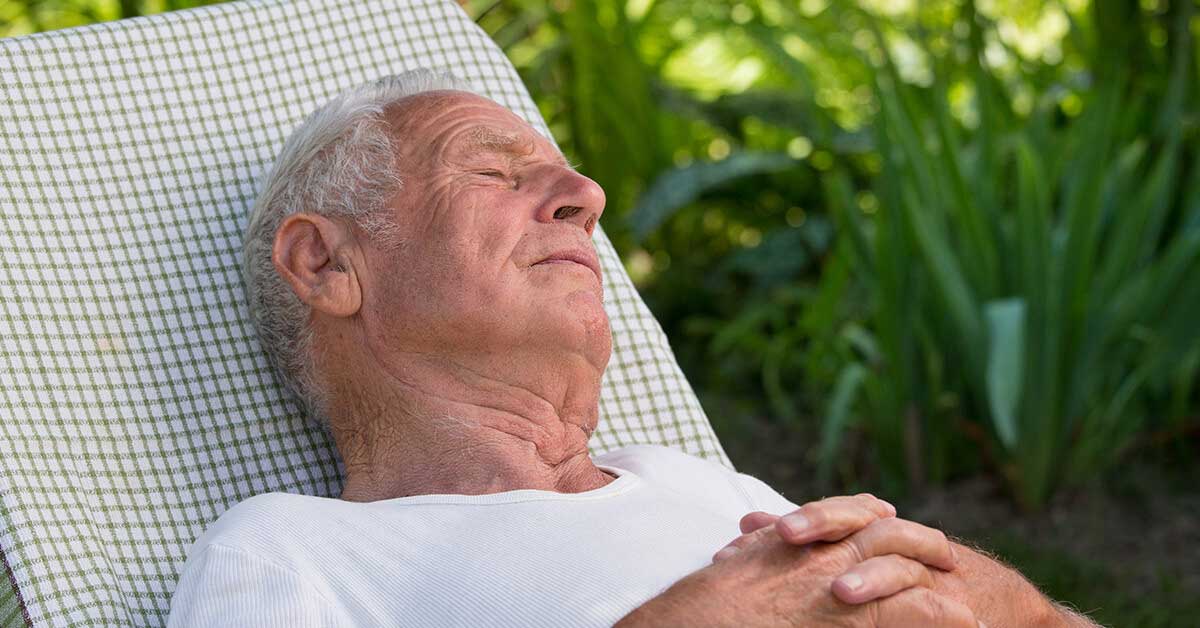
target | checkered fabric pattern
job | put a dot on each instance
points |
(136, 404)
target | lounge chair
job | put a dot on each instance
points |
(136, 404)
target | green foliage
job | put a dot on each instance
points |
(682, 185)
(1033, 267)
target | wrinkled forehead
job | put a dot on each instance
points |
(489, 137)
(440, 117)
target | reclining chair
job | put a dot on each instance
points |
(136, 403)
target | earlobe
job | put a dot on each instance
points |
(313, 254)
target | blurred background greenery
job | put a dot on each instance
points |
(944, 250)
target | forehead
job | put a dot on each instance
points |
(460, 122)
(488, 136)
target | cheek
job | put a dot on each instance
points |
(462, 260)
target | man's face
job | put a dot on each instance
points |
(495, 228)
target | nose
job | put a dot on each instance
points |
(572, 198)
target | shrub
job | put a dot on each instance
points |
(1032, 279)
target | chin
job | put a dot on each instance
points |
(590, 326)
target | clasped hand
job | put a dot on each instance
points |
(877, 566)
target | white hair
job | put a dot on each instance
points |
(340, 162)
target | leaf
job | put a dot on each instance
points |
(784, 252)
(839, 191)
(863, 342)
(844, 393)
(677, 187)
(790, 110)
(1006, 355)
(949, 281)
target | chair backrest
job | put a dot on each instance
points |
(136, 404)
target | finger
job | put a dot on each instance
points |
(922, 607)
(755, 520)
(881, 506)
(880, 577)
(907, 538)
(832, 519)
(724, 553)
(741, 543)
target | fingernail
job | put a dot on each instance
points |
(851, 581)
(725, 553)
(795, 523)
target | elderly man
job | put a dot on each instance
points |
(421, 272)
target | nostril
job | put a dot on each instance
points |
(566, 211)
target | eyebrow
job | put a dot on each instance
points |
(490, 139)
(487, 137)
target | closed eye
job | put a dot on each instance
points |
(492, 173)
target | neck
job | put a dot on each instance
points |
(425, 425)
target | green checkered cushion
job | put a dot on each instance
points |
(136, 404)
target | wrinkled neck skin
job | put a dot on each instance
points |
(419, 424)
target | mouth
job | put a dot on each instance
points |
(574, 256)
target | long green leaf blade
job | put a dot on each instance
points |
(1006, 357)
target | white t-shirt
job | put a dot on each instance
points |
(517, 558)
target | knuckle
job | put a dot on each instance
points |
(870, 502)
(858, 549)
(877, 532)
(891, 525)
(936, 539)
(815, 513)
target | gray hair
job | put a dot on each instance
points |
(340, 162)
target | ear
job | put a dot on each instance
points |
(315, 255)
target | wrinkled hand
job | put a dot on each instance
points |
(996, 593)
(871, 526)
(770, 581)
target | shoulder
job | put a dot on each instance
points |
(239, 573)
(256, 525)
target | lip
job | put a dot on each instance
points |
(582, 257)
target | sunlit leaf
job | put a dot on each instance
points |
(1006, 359)
(679, 186)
